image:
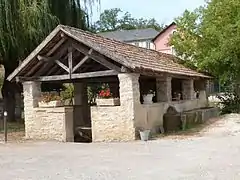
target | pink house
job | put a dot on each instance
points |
(161, 41)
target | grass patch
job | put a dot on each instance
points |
(13, 127)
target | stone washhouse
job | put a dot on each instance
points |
(70, 55)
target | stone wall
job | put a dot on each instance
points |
(151, 116)
(117, 123)
(110, 124)
(164, 89)
(188, 89)
(32, 92)
(51, 124)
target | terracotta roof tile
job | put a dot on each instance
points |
(131, 56)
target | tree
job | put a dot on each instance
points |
(116, 19)
(210, 38)
(23, 25)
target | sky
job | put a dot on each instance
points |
(164, 11)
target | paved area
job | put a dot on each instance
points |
(213, 155)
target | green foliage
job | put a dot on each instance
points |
(209, 38)
(230, 102)
(93, 90)
(68, 93)
(116, 19)
(25, 23)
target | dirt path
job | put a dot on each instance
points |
(212, 153)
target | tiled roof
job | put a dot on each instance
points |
(133, 57)
(136, 59)
(131, 35)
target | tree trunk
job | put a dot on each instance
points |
(8, 93)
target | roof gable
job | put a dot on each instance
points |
(164, 30)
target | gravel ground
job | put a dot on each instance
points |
(213, 155)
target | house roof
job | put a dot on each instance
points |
(131, 35)
(164, 30)
(136, 59)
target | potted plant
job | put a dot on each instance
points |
(148, 97)
(105, 98)
(50, 100)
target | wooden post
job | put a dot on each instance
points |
(5, 126)
(70, 61)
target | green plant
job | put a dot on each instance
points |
(68, 93)
(92, 91)
(230, 102)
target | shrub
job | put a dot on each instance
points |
(230, 102)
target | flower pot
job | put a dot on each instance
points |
(144, 135)
(147, 99)
(108, 102)
(50, 104)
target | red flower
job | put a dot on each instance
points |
(105, 93)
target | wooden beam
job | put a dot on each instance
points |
(66, 77)
(125, 70)
(70, 61)
(33, 69)
(82, 61)
(97, 57)
(62, 65)
(57, 45)
(42, 70)
(58, 55)
(34, 53)
(54, 68)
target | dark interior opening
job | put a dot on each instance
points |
(177, 89)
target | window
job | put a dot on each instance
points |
(136, 44)
(148, 45)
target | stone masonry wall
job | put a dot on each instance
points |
(188, 89)
(118, 123)
(32, 92)
(164, 89)
(109, 124)
(52, 124)
(45, 123)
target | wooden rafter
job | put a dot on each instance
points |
(82, 61)
(96, 57)
(56, 46)
(62, 65)
(70, 61)
(48, 54)
(34, 68)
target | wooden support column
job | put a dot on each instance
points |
(81, 107)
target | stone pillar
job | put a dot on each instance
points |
(129, 89)
(81, 107)
(164, 89)
(188, 89)
(130, 102)
(32, 93)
